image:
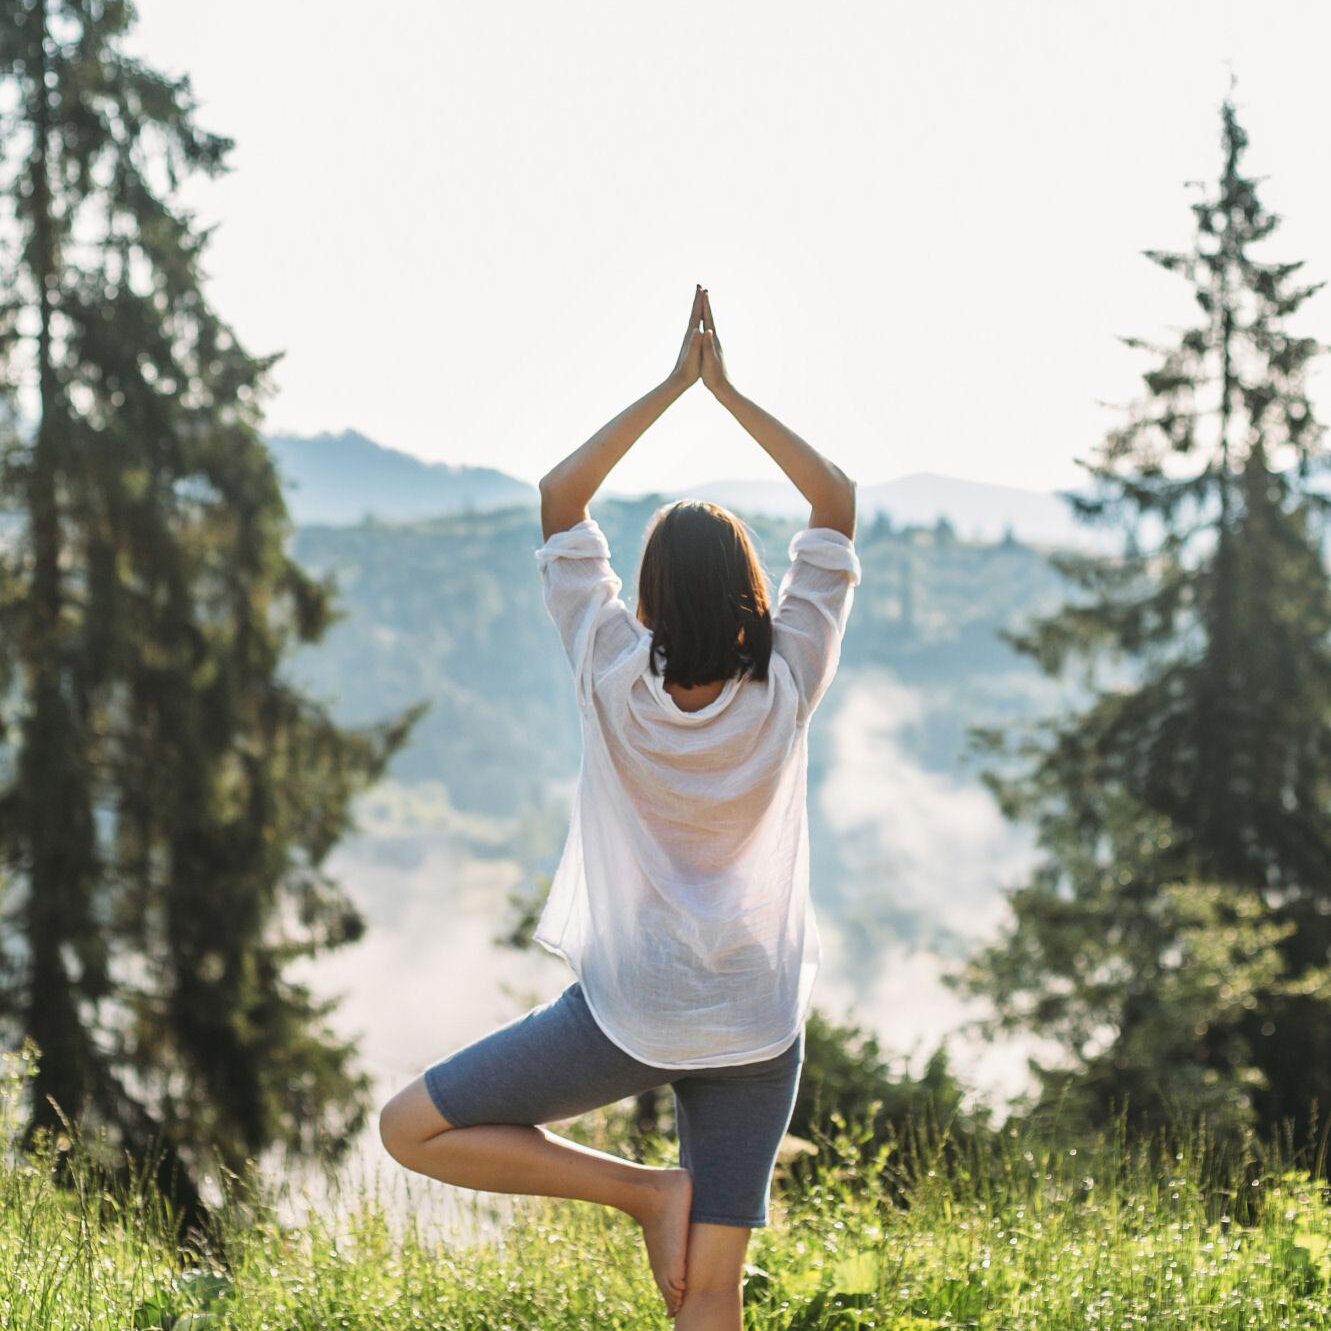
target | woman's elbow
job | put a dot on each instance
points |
(560, 510)
(837, 508)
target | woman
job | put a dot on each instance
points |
(681, 899)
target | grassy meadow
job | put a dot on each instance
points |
(914, 1234)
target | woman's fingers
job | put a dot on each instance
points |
(707, 321)
(689, 364)
(713, 364)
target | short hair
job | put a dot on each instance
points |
(703, 594)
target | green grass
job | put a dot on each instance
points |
(1100, 1234)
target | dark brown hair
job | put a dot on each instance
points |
(702, 592)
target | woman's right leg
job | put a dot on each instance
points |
(713, 1299)
(731, 1122)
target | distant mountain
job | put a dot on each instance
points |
(978, 510)
(340, 479)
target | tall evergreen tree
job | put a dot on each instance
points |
(1208, 770)
(169, 798)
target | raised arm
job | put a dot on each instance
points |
(567, 488)
(830, 492)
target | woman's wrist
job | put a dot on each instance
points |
(676, 383)
(726, 393)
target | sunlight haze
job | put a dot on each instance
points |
(475, 229)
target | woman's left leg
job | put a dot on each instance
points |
(520, 1158)
(472, 1120)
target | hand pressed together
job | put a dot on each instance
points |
(689, 365)
(713, 363)
(700, 353)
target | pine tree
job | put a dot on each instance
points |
(1206, 770)
(169, 797)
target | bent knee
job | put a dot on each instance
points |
(408, 1119)
(392, 1129)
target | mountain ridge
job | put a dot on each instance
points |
(343, 478)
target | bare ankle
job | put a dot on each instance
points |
(658, 1187)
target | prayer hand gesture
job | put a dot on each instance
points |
(688, 367)
(713, 365)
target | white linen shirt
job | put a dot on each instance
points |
(681, 900)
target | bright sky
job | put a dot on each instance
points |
(475, 228)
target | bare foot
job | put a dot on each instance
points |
(665, 1231)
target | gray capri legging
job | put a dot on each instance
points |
(555, 1062)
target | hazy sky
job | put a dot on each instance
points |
(475, 228)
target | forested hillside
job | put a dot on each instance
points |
(450, 611)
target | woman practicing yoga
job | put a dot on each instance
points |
(681, 901)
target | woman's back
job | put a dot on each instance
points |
(681, 899)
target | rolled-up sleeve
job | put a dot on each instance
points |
(581, 593)
(812, 609)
